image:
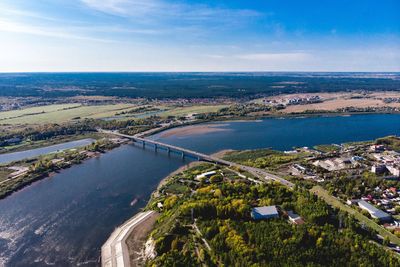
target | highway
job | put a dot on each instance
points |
(262, 174)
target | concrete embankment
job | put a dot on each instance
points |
(115, 252)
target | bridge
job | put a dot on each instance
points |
(183, 152)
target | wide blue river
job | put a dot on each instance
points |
(64, 220)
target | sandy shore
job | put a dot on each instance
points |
(195, 129)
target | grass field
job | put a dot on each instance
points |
(183, 111)
(60, 113)
(34, 110)
(322, 193)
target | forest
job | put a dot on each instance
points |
(189, 85)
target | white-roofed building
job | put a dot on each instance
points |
(265, 212)
(374, 212)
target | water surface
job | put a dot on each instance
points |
(284, 134)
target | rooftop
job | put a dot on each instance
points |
(265, 210)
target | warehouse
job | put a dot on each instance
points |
(374, 212)
(266, 212)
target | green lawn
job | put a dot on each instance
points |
(322, 193)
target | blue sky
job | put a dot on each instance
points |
(194, 35)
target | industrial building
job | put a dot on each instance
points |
(266, 212)
(374, 212)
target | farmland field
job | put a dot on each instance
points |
(60, 113)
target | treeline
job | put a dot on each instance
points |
(236, 110)
(188, 85)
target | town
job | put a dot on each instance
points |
(363, 175)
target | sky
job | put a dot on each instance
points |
(199, 35)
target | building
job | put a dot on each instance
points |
(205, 175)
(333, 164)
(377, 148)
(294, 218)
(378, 169)
(266, 212)
(374, 212)
(394, 170)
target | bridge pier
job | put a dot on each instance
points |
(168, 151)
(183, 155)
(155, 147)
(143, 144)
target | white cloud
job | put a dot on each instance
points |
(160, 9)
(15, 27)
(294, 56)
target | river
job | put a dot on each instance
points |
(64, 220)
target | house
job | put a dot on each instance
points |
(374, 212)
(265, 212)
(294, 218)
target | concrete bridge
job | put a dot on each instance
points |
(262, 174)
